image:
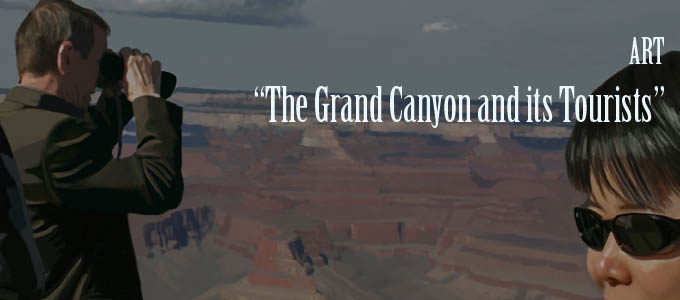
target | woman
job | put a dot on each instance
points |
(631, 175)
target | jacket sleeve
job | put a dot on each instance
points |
(81, 173)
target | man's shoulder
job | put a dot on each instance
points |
(30, 105)
(25, 125)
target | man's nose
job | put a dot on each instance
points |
(610, 265)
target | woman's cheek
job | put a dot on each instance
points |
(659, 278)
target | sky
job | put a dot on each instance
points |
(426, 46)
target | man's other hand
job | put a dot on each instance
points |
(110, 89)
(113, 90)
(142, 74)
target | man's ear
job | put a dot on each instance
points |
(64, 57)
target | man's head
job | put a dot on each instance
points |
(62, 42)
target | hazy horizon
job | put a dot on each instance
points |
(439, 47)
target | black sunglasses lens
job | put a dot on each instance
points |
(591, 227)
(644, 235)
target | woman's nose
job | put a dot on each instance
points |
(609, 266)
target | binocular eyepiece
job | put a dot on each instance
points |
(112, 68)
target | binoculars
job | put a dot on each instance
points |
(112, 68)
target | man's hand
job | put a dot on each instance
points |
(142, 75)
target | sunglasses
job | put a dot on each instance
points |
(637, 234)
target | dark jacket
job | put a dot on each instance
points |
(22, 276)
(78, 195)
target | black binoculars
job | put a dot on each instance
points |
(112, 68)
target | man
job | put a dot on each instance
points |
(77, 194)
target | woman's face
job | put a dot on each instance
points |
(621, 276)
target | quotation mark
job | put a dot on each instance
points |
(656, 90)
(261, 92)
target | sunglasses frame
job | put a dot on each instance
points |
(609, 226)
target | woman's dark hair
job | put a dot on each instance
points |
(642, 159)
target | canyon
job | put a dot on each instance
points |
(362, 210)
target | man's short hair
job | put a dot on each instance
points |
(50, 23)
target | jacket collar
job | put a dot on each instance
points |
(39, 99)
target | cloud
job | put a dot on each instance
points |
(252, 12)
(439, 26)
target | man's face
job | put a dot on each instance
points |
(81, 80)
(89, 67)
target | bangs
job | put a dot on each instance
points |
(638, 162)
